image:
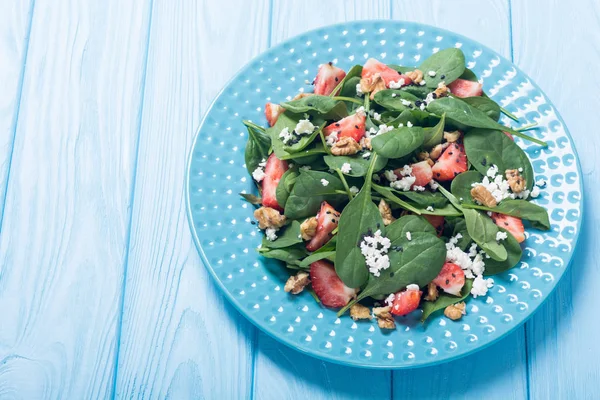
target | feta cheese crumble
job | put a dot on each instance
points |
(331, 139)
(429, 208)
(418, 188)
(305, 167)
(394, 95)
(398, 84)
(405, 182)
(270, 233)
(324, 182)
(360, 111)
(481, 286)
(390, 299)
(409, 124)
(286, 135)
(359, 91)
(472, 262)
(304, 127)
(422, 83)
(346, 167)
(433, 185)
(535, 192)
(501, 236)
(374, 249)
(408, 236)
(258, 174)
(354, 190)
(376, 116)
(498, 186)
(540, 183)
(390, 175)
(405, 102)
(431, 73)
(412, 286)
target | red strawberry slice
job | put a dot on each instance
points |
(352, 126)
(406, 302)
(272, 112)
(452, 162)
(509, 135)
(512, 224)
(372, 67)
(465, 88)
(274, 169)
(436, 220)
(328, 78)
(328, 286)
(327, 221)
(451, 279)
(422, 171)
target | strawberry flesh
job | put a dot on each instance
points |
(352, 126)
(436, 220)
(452, 162)
(465, 88)
(328, 286)
(328, 77)
(512, 224)
(373, 66)
(422, 171)
(406, 302)
(327, 221)
(272, 112)
(274, 169)
(451, 279)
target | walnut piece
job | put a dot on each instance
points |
(483, 196)
(432, 292)
(345, 146)
(372, 85)
(516, 182)
(365, 143)
(452, 137)
(296, 283)
(385, 320)
(455, 311)
(358, 311)
(268, 217)
(308, 229)
(386, 212)
(424, 156)
(416, 76)
(436, 152)
(441, 91)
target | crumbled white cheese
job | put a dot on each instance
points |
(492, 171)
(270, 233)
(520, 169)
(286, 135)
(535, 192)
(304, 127)
(359, 91)
(404, 184)
(305, 167)
(390, 175)
(390, 299)
(422, 106)
(422, 83)
(472, 262)
(412, 286)
(346, 167)
(481, 286)
(540, 183)
(366, 154)
(408, 236)
(489, 213)
(258, 174)
(376, 116)
(498, 186)
(400, 125)
(433, 185)
(418, 188)
(429, 208)
(501, 236)
(374, 249)
(360, 111)
(383, 128)
(324, 182)
(398, 84)
(331, 139)
(409, 124)
(431, 73)
(394, 95)
(290, 165)
(405, 102)
(354, 190)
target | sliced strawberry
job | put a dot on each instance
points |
(512, 224)
(465, 88)
(422, 171)
(327, 221)
(452, 162)
(406, 302)
(436, 220)
(509, 135)
(274, 169)
(372, 67)
(272, 112)
(328, 78)
(328, 286)
(352, 126)
(451, 279)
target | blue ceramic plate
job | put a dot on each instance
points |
(220, 220)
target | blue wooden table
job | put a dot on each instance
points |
(102, 292)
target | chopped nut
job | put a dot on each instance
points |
(372, 85)
(296, 283)
(268, 217)
(424, 156)
(302, 95)
(386, 212)
(436, 152)
(385, 320)
(452, 137)
(441, 91)
(455, 311)
(516, 182)
(345, 146)
(416, 76)
(365, 143)
(358, 311)
(432, 292)
(482, 195)
(308, 229)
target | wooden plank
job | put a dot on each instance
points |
(561, 337)
(62, 248)
(498, 371)
(280, 371)
(180, 338)
(15, 22)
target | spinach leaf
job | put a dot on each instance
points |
(325, 106)
(308, 193)
(448, 65)
(453, 227)
(289, 120)
(360, 217)
(252, 199)
(485, 104)
(513, 248)
(284, 187)
(392, 198)
(469, 75)
(257, 148)
(401, 68)
(536, 215)
(425, 199)
(391, 99)
(429, 307)
(408, 223)
(416, 90)
(398, 142)
(330, 255)
(290, 255)
(358, 164)
(485, 148)
(434, 135)
(350, 81)
(404, 117)
(462, 184)
(286, 236)
(303, 157)
(447, 211)
(483, 231)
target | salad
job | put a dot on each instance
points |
(391, 189)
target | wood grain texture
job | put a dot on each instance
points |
(15, 22)
(62, 247)
(307, 377)
(559, 48)
(180, 338)
(502, 365)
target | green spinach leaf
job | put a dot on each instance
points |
(434, 135)
(448, 64)
(329, 255)
(398, 142)
(392, 198)
(485, 104)
(483, 231)
(536, 215)
(462, 184)
(308, 193)
(429, 307)
(453, 227)
(257, 148)
(392, 99)
(284, 187)
(513, 248)
(358, 164)
(290, 255)
(408, 223)
(286, 236)
(252, 199)
(424, 199)
(304, 156)
(323, 106)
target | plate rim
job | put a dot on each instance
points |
(358, 363)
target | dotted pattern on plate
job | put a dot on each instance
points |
(221, 220)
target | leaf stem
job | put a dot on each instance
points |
(367, 104)
(509, 114)
(527, 137)
(450, 197)
(475, 207)
(251, 124)
(343, 179)
(324, 141)
(337, 88)
(526, 127)
(350, 99)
